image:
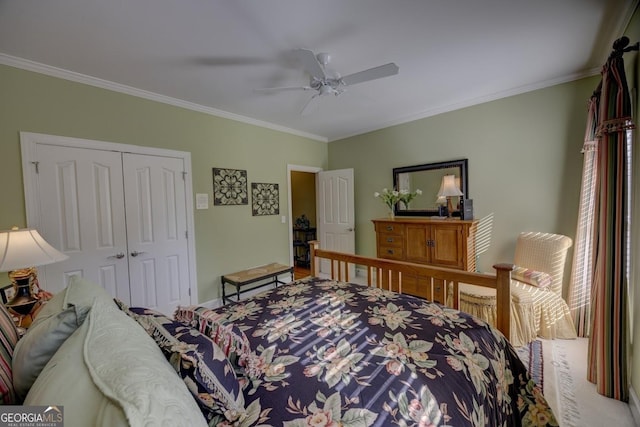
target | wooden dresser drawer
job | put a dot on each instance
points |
(390, 252)
(386, 239)
(390, 228)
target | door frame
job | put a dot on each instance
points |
(28, 141)
(297, 168)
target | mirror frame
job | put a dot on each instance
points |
(464, 184)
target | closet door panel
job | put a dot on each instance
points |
(155, 202)
(82, 214)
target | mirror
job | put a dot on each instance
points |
(428, 178)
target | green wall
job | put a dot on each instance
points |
(228, 238)
(524, 162)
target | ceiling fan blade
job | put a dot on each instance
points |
(310, 63)
(385, 70)
(224, 61)
(306, 110)
(276, 89)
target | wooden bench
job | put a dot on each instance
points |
(268, 272)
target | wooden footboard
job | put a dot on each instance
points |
(392, 275)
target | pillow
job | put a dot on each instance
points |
(40, 343)
(539, 279)
(227, 336)
(203, 366)
(111, 373)
(8, 340)
(66, 380)
(79, 291)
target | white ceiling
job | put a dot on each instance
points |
(210, 55)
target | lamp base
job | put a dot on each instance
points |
(23, 301)
(449, 208)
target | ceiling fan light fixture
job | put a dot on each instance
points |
(326, 90)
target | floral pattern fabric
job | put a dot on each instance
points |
(328, 353)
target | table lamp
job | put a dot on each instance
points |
(21, 250)
(449, 189)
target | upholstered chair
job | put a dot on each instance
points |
(536, 287)
(537, 306)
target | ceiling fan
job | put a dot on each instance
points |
(325, 82)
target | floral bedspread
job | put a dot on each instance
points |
(329, 353)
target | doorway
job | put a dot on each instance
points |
(303, 219)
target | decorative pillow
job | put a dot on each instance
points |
(203, 366)
(226, 335)
(40, 343)
(79, 291)
(539, 279)
(8, 340)
(111, 373)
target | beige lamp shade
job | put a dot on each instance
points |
(25, 247)
(449, 187)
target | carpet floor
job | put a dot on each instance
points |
(573, 399)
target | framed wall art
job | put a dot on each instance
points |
(6, 293)
(265, 199)
(230, 187)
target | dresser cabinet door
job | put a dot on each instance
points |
(447, 248)
(419, 243)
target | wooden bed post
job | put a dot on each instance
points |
(503, 298)
(313, 246)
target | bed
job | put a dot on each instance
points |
(321, 351)
(325, 351)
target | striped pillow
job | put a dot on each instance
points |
(539, 279)
(8, 340)
(216, 326)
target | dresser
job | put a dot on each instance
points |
(446, 243)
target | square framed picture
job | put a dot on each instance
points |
(230, 187)
(6, 293)
(265, 199)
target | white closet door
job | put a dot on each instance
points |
(81, 211)
(157, 231)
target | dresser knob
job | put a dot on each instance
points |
(390, 251)
(389, 239)
(389, 227)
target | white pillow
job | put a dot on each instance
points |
(127, 366)
(111, 373)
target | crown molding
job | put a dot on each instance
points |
(37, 67)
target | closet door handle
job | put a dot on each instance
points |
(117, 256)
(136, 253)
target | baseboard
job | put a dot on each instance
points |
(634, 405)
(214, 303)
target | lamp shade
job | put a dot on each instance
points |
(25, 247)
(449, 187)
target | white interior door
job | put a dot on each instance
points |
(81, 210)
(157, 231)
(336, 216)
